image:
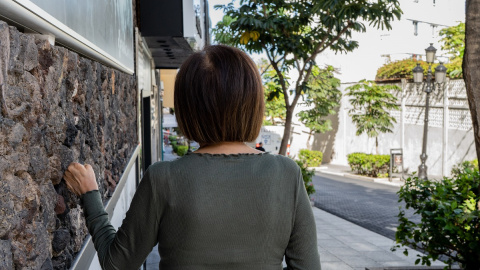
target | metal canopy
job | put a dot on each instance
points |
(168, 52)
(172, 29)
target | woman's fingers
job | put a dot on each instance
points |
(80, 178)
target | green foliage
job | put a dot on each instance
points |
(368, 164)
(371, 104)
(462, 167)
(399, 69)
(453, 41)
(403, 69)
(274, 98)
(172, 138)
(181, 150)
(307, 177)
(293, 33)
(301, 27)
(310, 157)
(322, 92)
(450, 217)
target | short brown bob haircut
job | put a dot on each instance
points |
(219, 96)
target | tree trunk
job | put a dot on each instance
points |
(471, 65)
(286, 132)
(376, 145)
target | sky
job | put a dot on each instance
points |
(216, 15)
(399, 43)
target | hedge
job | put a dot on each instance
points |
(369, 164)
(310, 157)
(181, 150)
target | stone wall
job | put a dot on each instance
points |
(55, 107)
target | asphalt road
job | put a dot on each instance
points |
(370, 205)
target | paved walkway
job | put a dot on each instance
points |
(343, 245)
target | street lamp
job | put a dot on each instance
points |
(440, 75)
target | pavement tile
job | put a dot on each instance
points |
(329, 243)
(336, 266)
(380, 256)
(321, 248)
(324, 236)
(380, 241)
(364, 247)
(347, 239)
(343, 251)
(357, 261)
(326, 256)
(398, 263)
(152, 266)
(335, 232)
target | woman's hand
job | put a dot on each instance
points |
(80, 178)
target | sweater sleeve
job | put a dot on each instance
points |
(127, 248)
(302, 250)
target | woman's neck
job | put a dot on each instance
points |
(227, 148)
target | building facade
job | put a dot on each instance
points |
(80, 81)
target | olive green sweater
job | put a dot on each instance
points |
(209, 211)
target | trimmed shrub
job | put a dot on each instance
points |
(172, 138)
(450, 217)
(181, 150)
(310, 157)
(369, 164)
(307, 177)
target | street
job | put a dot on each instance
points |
(370, 205)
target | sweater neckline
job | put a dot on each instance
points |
(227, 155)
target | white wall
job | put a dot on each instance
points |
(450, 133)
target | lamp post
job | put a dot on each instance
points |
(440, 76)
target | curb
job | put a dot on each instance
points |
(411, 268)
(385, 181)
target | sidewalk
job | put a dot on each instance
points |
(343, 245)
(345, 171)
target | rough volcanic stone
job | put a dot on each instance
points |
(6, 261)
(33, 247)
(61, 238)
(47, 265)
(78, 228)
(55, 107)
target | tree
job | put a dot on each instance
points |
(371, 104)
(274, 102)
(324, 97)
(454, 42)
(274, 99)
(471, 65)
(293, 33)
